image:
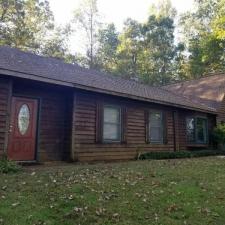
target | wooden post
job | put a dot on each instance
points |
(176, 131)
(73, 155)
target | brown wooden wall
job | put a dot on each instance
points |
(84, 136)
(5, 90)
(55, 116)
(64, 114)
(221, 114)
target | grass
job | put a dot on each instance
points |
(190, 191)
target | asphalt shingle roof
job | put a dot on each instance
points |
(208, 90)
(15, 60)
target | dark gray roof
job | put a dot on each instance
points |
(22, 64)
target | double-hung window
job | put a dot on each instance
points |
(111, 123)
(197, 130)
(156, 127)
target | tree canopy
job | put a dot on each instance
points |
(148, 52)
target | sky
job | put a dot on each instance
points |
(116, 11)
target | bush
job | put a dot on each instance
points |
(7, 166)
(179, 155)
(219, 135)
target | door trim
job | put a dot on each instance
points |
(37, 124)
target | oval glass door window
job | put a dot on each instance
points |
(23, 119)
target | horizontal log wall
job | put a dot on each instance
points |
(221, 114)
(57, 122)
(5, 90)
(85, 147)
(54, 120)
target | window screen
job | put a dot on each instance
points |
(111, 123)
(156, 127)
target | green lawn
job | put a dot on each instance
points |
(190, 191)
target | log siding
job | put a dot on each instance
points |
(5, 95)
(69, 123)
(88, 147)
(55, 116)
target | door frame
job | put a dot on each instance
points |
(36, 158)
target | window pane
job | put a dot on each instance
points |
(190, 127)
(111, 132)
(156, 119)
(111, 124)
(23, 119)
(201, 130)
(156, 134)
(155, 127)
(111, 115)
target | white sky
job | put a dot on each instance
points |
(116, 11)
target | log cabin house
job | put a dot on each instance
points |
(51, 111)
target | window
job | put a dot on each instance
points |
(190, 127)
(201, 130)
(23, 119)
(156, 127)
(196, 128)
(111, 124)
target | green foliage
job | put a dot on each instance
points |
(159, 50)
(86, 19)
(147, 52)
(7, 166)
(219, 134)
(203, 31)
(108, 44)
(29, 25)
(181, 154)
(24, 23)
(128, 50)
(144, 51)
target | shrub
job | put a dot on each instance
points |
(219, 134)
(164, 155)
(179, 155)
(7, 166)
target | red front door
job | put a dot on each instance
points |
(22, 137)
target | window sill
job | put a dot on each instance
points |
(112, 142)
(197, 145)
(156, 143)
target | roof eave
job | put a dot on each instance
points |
(98, 90)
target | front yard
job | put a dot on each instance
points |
(190, 191)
